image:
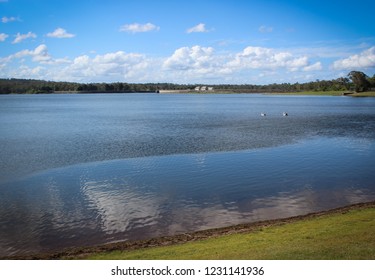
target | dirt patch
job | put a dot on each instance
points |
(77, 253)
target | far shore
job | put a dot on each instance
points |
(210, 92)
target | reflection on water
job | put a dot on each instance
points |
(40, 132)
(80, 170)
(145, 197)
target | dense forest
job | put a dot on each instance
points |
(354, 81)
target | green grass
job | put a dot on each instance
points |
(349, 235)
(330, 93)
(319, 93)
(364, 94)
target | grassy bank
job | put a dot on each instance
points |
(346, 234)
(364, 94)
(318, 93)
(330, 93)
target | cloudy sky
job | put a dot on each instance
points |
(204, 41)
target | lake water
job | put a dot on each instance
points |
(79, 170)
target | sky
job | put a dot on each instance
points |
(186, 42)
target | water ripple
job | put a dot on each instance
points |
(141, 166)
(146, 197)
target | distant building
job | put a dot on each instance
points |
(203, 88)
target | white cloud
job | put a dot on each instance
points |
(116, 66)
(39, 54)
(23, 71)
(365, 59)
(188, 58)
(9, 19)
(3, 37)
(111, 66)
(201, 27)
(313, 67)
(188, 64)
(20, 37)
(137, 27)
(266, 58)
(265, 29)
(33, 72)
(60, 33)
(194, 63)
(185, 65)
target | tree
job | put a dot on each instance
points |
(359, 80)
(372, 81)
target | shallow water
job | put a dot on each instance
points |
(88, 169)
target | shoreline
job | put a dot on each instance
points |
(81, 252)
(213, 92)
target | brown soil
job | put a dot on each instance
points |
(77, 253)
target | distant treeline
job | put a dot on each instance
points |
(355, 81)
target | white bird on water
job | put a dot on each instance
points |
(263, 114)
(285, 114)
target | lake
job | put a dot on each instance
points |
(80, 170)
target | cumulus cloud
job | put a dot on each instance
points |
(137, 27)
(201, 27)
(266, 58)
(111, 66)
(363, 60)
(195, 64)
(20, 37)
(33, 72)
(60, 33)
(3, 37)
(185, 64)
(116, 66)
(185, 58)
(39, 54)
(265, 29)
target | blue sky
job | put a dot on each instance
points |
(205, 42)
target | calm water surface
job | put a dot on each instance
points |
(87, 169)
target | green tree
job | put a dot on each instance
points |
(359, 80)
(372, 81)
